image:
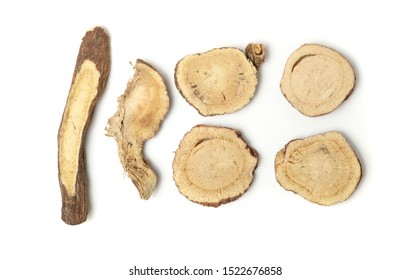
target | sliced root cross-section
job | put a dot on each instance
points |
(322, 169)
(317, 79)
(219, 81)
(213, 165)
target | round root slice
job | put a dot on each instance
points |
(317, 79)
(213, 165)
(219, 81)
(322, 169)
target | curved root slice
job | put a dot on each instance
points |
(140, 112)
(322, 169)
(317, 80)
(219, 81)
(213, 165)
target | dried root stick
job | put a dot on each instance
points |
(140, 112)
(89, 80)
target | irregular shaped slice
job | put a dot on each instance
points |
(213, 165)
(317, 80)
(219, 81)
(89, 80)
(255, 53)
(322, 169)
(141, 109)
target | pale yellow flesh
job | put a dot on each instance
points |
(140, 111)
(80, 99)
(144, 105)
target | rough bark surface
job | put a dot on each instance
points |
(89, 80)
(219, 81)
(141, 109)
(322, 169)
(317, 79)
(213, 165)
(255, 53)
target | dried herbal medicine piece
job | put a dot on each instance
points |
(89, 80)
(219, 81)
(141, 109)
(322, 169)
(213, 165)
(317, 79)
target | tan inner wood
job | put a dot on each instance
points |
(214, 164)
(322, 168)
(217, 82)
(140, 111)
(81, 96)
(314, 168)
(214, 80)
(316, 78)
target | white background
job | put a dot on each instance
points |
(367, 236)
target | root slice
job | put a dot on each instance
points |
(213, 165)
(317, 79)
(219, 81)
(89, 80)
(141, 109)
(322, 169)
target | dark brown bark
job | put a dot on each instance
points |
(255, 53)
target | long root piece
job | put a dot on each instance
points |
(89, 80)
(141, 109)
